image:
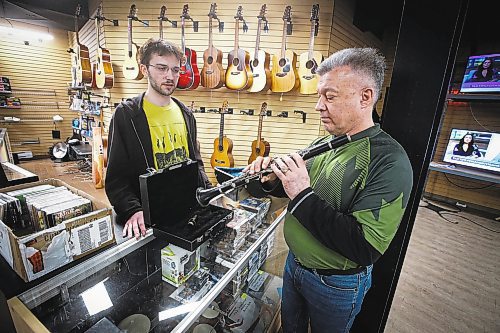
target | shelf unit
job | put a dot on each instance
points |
(474, 97)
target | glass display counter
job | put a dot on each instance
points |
(123, 287)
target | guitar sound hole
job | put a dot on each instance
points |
(282, 62)
(309, 64)
(257, 150)
(236, 62)
(255, 62)
(210, 60)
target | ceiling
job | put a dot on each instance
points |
(58, 14)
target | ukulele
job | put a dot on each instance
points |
(310, 60)
(238, 73)
(104, 76)
(131, 69)
(189, 75)
(212, 73)
(284, 75)
(223, 146)
(260, 147)
(82, 57)
(260, 63)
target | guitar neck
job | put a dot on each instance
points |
(160, 24)
(236, 34)
(311, 40)
(283, 40)
(221, 128)
(76, 30)
(210, 40)
(130, 36)
(183, 38)
(259, 131)
(257, 40)
(97, 32)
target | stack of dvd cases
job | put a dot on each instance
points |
(41, 207)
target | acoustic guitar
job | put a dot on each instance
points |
(131, 69)
(82, 56)
(238, 73)
(260, 63)
(189, 76)
(260, 147)
(223, 146)
(104, 76)
(309, 61)
(212, 73)
(284, 75)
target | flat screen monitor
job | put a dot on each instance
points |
(482, 74)
(474, 149)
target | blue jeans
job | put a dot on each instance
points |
(330, 302)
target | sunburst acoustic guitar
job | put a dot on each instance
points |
(310, 60)
(260, 63)
(238, 73)
(284, 75)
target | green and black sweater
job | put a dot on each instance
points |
(351, 212)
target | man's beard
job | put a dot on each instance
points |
(157, 87)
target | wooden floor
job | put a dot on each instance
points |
(450, 280)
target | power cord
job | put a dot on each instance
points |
(440, 211)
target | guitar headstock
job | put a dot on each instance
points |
(77, 10)
(213, 9)
(133, 12)
(315, 13)
(185, 12)
(262, 14)
(224, 106)
(163, 10)
(98, 15)
(287, 15)
(263, 109)
(239, 13)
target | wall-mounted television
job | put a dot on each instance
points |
(482, 74)
(474, 149)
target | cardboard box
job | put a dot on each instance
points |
(178, 264)
(37, 254)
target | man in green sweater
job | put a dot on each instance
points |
(345, 205)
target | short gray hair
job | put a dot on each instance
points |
(366, 61)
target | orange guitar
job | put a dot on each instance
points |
(82, 56)
(103, 70)
(223, 146)
(212, 73)
(284, 75)
(260, 147)
(238, 74)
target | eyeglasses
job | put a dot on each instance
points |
(163, 69)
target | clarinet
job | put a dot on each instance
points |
(204, 196)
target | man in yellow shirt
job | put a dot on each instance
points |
(150, 131)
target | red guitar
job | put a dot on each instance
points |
(189, 77)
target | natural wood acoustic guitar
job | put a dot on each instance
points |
(104, 76)
(260, 63)
(131, 68)
(238, 73)
(284, 75)
(212, 73)
(82, 58)
(223, 146)
(260, 147)
(189, 76)
(310, 60)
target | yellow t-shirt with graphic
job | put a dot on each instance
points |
(168, 133)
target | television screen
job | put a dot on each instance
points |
(474, 149)
(482, 74)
